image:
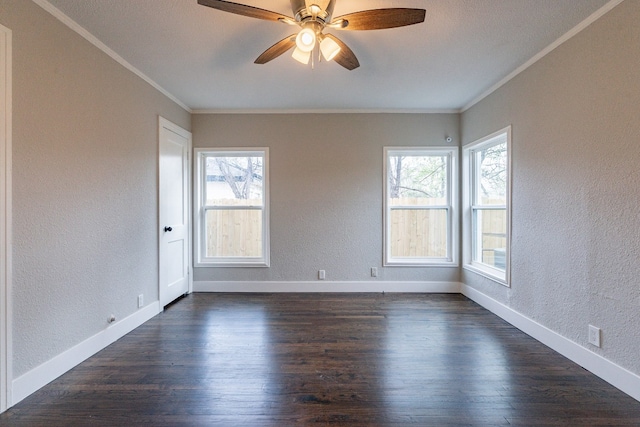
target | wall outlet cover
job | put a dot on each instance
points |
(594, 335)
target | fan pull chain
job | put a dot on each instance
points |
(313, 56)
(316, 50)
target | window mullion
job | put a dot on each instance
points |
(232, 208)
(418, 207)
(489, 207)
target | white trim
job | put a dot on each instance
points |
(486, 272)
(544, 52)
(57, 13)
(168, 124)
(328, 286)
(328, 111)
(451, 260)
(614, 374)
(6, 353)
(467, 203)
(199, 211)
(62, 363)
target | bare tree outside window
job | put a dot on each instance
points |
(421, 177)
(493, 174)
(242, 175)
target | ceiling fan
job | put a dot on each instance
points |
(313, 16)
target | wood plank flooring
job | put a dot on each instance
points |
(326, 359)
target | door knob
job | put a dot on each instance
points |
(168, 229)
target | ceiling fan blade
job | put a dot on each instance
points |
(345, 57)
(244, 10)
(379, 19)
(277, 49)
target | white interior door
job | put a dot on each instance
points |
(174, 216)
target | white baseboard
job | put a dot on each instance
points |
(328, 286)
(615, 375)
(53, 368)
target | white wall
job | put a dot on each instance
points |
(326, 190)
(84, 186)
(576, 186)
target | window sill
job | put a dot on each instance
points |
(489, 273)
(409, 263)
(227, 264)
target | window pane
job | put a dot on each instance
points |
(233, 233)
(418, 233)
(491, 237)
(234, 181)
(417, 180)
(491, 182)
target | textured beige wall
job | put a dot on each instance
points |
(576, 186)
(84, 186)
(326, 189)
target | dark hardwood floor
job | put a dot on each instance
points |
(326, 359)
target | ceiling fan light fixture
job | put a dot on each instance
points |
(301, 56)
(306, 40)
(314, 16)
(329, 48)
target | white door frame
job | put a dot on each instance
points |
(6, 373)
(166, 124)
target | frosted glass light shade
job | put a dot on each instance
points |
(329, 48)
(306, 40)
(301, 56)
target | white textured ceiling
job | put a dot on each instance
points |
(204, 57)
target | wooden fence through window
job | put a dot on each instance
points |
(413, 232)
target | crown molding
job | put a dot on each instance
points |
(57, 13)
(327, 111)
(544, 52)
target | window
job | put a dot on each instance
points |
(486, 195)
(232, 196)
(420, 215)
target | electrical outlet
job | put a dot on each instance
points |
(321, 275)
(594, 335)
(374, 272)
(140, 301)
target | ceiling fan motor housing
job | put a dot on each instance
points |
(302, 10)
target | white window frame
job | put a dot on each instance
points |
(451, 259)
(201, 209)
(468, 197)
(6, 238)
